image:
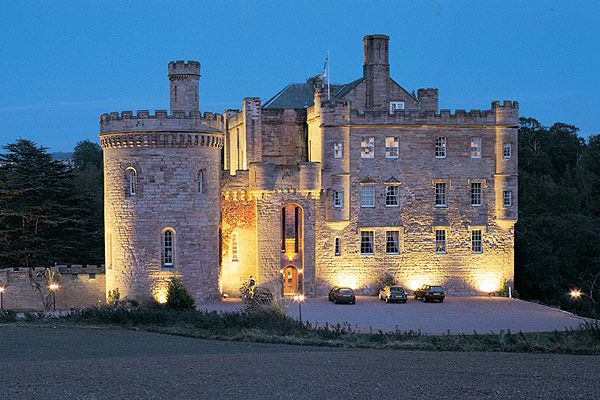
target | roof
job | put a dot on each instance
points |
(300, 95)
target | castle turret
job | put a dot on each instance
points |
(376, 70)
(184, 79)
(162, 195)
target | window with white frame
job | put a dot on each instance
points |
(168, 247)
(132, 181)
(440, 147)
(507, 198)
(392, 242)
(475, 147)
(440, 240)
(396, 105)
(200, 179)
(338, 246)
(367, 196)
(234, 247)
(367, 147)
(392, 196)
(476, 241)
(392, 149)
(366, 242)
(338, 199)
(507, 151)
(338, 150)
(475, 193)
(440, 194)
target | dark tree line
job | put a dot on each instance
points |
(50, 211)
(558, 233)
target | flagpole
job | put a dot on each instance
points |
(328, 78)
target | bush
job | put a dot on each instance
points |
(8, 316)
(386, 279)
(178, 298)
(113, 297)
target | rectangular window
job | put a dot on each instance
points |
(338, 247)
(366, 242)
(392, 149)
(396, 105)
(440, 241)
(475, 147)
(440, 147)
(338, 199)
(338, 150)
(234, 247)
(392, 242)
(367, 196)
(476, 194)
(507, 198)
(476, 244)
(440, 195)
(91, 276)
(507, 151)
(367, 147)
(200, 179)
(392, 196)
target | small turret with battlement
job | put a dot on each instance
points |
(184, 79)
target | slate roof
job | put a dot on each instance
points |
(300, 95)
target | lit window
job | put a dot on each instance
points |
(440, 194)
(392, 242)
(440, 241)
(338, 150)
(200, 179)
(391, 147)
(367, 147)
(507, 151)
(396, 105)
(366, 242)
(507, 198)
(338, 199)
(440, 147)
(338, 247)
(367, 196)
(392, 196)
(234, 247)
(168, 242)
(476, 194)
(476, 147)
(476, 243)
(132, 181)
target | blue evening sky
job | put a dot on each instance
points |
(63, 63)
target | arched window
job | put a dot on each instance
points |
(200, 179)
(168, 248)
(132, 182)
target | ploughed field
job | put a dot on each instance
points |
(82, 363)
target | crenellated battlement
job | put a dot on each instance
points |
(190, 69)
(500, 114)
(161, 120)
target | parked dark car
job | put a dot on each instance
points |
(430, 293)
(343, 295)
(393, 293)
(331, 292)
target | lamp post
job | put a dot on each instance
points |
(299, 298)
(53, 288)
(2, 298)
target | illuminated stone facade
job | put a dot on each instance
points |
(321, 185)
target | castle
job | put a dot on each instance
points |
(322, 185)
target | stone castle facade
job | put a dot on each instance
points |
(321, 185)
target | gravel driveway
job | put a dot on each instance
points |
(455, 314)
(97, 364)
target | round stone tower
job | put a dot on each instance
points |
(162, 194)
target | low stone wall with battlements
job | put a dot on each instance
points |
(80, 286)
(161, 120)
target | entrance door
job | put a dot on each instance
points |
(290, 280)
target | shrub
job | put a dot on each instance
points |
(8, 316)
(386, 279)
(178, 298)
(113, 297)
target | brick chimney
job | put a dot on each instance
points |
(376, 70)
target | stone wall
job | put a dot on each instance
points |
(80, 286)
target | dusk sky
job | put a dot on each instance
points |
(62, 64)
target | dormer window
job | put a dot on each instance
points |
(396, 105)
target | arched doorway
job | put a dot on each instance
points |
(290, 280)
